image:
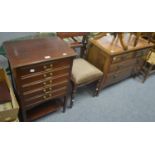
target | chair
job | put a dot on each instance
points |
(149, 65)
(75, 40)
(83, 73)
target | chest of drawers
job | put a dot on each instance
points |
(117, 64)
(41, 71)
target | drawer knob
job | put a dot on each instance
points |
(44, 97)
(50, 88)
(45, 67)
(51, 74)
(50, 81)
(44, 83)
(45, 75)
(44, 90)
(50, 95)
(51, 65)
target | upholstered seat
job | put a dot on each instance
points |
(83, 71)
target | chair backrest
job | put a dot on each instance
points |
(63, 35)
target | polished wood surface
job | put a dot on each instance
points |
(118, 63)
(28, 52)
(41, 71)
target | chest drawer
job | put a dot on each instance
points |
(122, 65)
(142, 53)
(118, 76)
(122, 57)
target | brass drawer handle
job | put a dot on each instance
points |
(45, 75)
(44, 90)
(45, 67)
(45, 97)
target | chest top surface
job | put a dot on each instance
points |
(113, 46)
(27, 52)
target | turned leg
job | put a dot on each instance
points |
(74, 88)
(98, 87)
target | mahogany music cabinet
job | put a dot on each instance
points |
(41, 71)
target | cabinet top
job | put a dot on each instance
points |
(113, 46)
(27, 52)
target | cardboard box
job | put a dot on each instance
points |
(8, 111)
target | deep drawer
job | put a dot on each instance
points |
(122, 65)
(118, 76)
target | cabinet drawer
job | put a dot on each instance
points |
(44, 83)
(43, 97)
(46, 75)
(122, 57)
(118, 76)
(42, 67)
(122, 65)
(43, 91)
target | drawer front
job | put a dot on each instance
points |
(142, 53)
(42, 67)
(43, 97)
(122, 57)
(46, 75)
(118, 76)
(45, 83)
(44, 90)
(122, 65)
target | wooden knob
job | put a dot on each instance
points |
(50, 81)
(50, 95)
(51, 65)
(50, 88)
(44, 90)
(44, 83)
(51, 74)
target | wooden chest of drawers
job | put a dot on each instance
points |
(116, 63)
(41, 71)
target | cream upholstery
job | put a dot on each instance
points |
(83, 71)
(151, 59)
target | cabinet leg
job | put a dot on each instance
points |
(24, 116)
(65, 103)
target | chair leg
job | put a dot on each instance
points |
(98, 87)
(74, 88)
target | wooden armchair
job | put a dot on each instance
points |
(83, 73)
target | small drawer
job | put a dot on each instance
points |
(44, 83)
(142, 53)
(122, 65)
(45, 75)
(122, 57)
(43, 97)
